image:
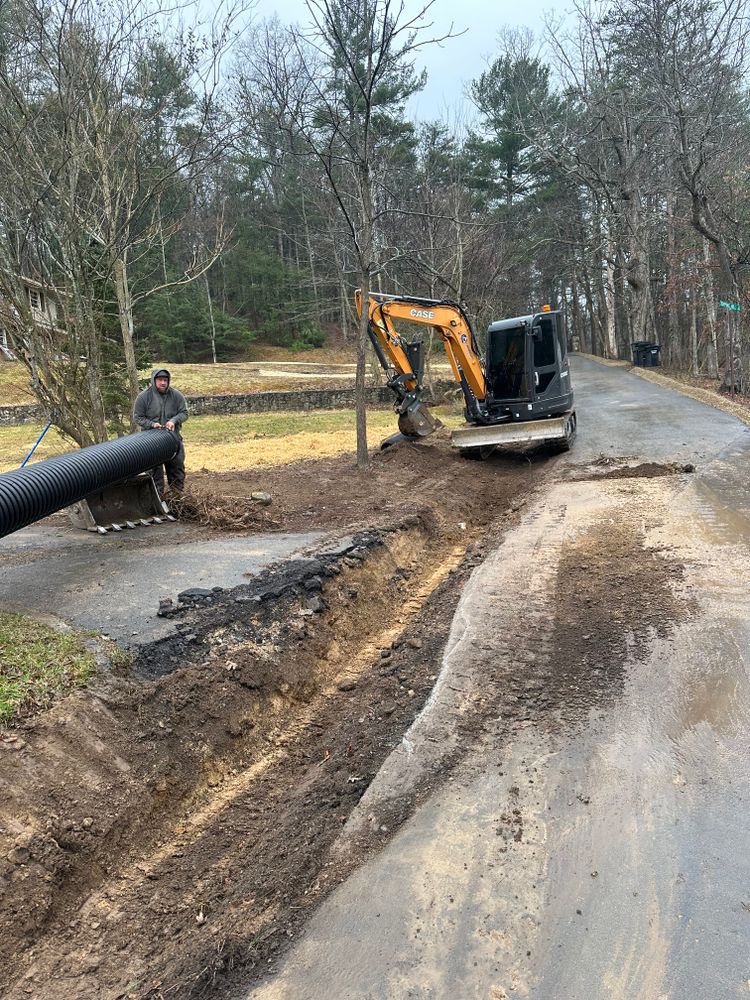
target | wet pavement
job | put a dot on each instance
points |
(603, 854)
(113, 583)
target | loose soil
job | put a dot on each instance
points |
(166, 833)
(332, 493)
(170, 829)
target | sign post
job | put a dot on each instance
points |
(732, 309)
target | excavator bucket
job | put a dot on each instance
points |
(127, 504)
(417, 421)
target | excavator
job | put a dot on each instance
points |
(519, 393)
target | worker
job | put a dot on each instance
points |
(161, 406)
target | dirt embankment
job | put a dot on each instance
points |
(171, 827)
(332, 493)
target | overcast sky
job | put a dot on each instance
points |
(451, 66)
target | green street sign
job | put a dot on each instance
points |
(734, 306)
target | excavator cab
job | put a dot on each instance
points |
(526, 367)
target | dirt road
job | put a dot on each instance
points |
(488, 740)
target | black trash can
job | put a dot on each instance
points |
(638, 347)
(653, 356)
(646, 354)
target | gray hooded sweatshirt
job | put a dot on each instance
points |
(153, 407)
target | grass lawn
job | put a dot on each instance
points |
(242, 440)
(14, 384)
(37, 664)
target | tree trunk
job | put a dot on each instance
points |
(610, 350)
(578, 326)
(211, 316)
(712, 348)
(360, 387)
(125, 311)
(673, 330)
(693, 332)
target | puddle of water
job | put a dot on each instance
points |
(724, 510)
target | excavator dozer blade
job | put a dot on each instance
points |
(559, 432)
(126, 504)
(417, 421)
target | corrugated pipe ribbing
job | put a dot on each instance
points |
(27, 495)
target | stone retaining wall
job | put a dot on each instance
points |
(14, 416)
(254, 402)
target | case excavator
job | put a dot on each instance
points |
(519, 393)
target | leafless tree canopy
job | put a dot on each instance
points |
(601, 169)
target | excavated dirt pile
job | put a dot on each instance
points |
(169, 829)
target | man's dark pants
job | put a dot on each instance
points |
(175, 472)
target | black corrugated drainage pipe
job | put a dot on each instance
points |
(27, 495)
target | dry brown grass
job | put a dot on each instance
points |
(240, 441)
(219, 510)
(14, 384)
(248, 376)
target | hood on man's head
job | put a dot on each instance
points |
(157, 372)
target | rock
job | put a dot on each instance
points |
(316, 604)
(385, 654)
(169, 610)
(87, 822)
(348, 684)
(191, 637)
(414, 643)
(18, 855)
(313, 584)
(688, 467)
(247, 599)
(194, 594)
(264, 499)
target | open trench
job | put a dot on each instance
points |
(168, 832)
(170, 829)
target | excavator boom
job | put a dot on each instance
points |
(403, 361)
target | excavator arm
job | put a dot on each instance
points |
(403, 361)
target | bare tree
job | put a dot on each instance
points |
(332, 89)
(107, 126)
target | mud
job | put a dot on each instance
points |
(332, 493)
(617, 468)
(169, 832)
(170, 829)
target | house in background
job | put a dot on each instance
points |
(43, 306)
